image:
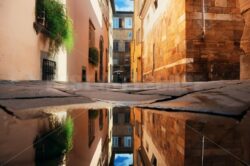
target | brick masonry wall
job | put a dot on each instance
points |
(216, 56)
(181, 54)
(168, 35)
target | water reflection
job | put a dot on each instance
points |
(54, 142)
(91, 142)
(165, 138)
(124, 136)
(122, 141)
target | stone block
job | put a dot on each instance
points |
(244, 67)
(221, 3)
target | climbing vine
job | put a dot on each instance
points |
(58, 25)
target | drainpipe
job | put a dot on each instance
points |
(141, 49)
(203, 19)
(142, 33)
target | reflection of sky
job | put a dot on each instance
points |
(123, 159)
(124, 5)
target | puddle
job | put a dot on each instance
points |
(123, 136)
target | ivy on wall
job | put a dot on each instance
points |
(58, 26)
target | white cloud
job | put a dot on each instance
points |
(124, 5)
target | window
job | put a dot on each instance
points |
(96, 76)
(138, 129)
(115, 118)
(154, 161)
(153, 119)
(153, 57)
(128, 23)
(120, 23)
(139, 158)
(127, 118)
(115, 142)
(138, 36)
(156, 3)
(147, 147)
(130, 35)
(116, 45)
(127, 46)
(129, 129)
(101, 119)
(91, 128)
(84, 79)
(121, 46)
(115, 22)
(91, 34)
(127, 142)
(49, 69)
(115, 61)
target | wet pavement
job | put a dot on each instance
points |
(192, 123)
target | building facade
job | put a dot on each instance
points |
(122, 36)
(24, 52)
(91, 29)
(110, 58)
(188, 40)
(136, 44)
(245, 40)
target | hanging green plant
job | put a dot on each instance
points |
(93, 56)
(58, 26)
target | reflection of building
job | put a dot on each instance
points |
(91, 138)
(122, 131)
(187, 40)
(122, 35)
(110, 110)
(91, 30)
(164, 138)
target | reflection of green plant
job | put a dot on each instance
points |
(53, 144)
(93, 56)
(58, 25)
(93, 114)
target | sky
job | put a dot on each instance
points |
(123, 159)
(124, 5)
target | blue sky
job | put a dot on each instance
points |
(123, 159)
(124, 5)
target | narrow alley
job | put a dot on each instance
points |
(125, 82)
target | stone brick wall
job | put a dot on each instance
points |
(216, 52)
(245, 40)
(168, 37)
(136, 49)
(176, 48)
